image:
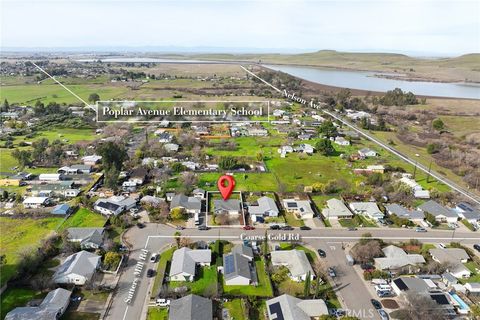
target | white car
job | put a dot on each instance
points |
(441, 245)
(162, 303)
(154, 257)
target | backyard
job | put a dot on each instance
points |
(263, 289)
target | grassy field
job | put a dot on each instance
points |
(14, 297)
(17, 234)
(84, 218)
(77, 315)
(165, 257)
(156, 313)
(236, 309)
(264, 288)
(204, 280)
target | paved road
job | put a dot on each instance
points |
(473, 197)
(157, 236)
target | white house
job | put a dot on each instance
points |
(190, 204)
(441, 213)
(296, 261)
(185, 262)
(396, 258)
(77, 269)
(114, 205)
(287, 307)
(239, 267)
(341, 141)
(369, 209)
(35, 202)
(367, 152)
(301, 208)
(91, 160)
(455, 257)
(230, 206)
(264, 207)
(336, 209)
(50, 177)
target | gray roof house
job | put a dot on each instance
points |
(336, 209)
(455, 257)
(230, 206)
(396, 258)
(369, 209)
(265, 206)
(440, 212)
(191, 204)
(89, 238)
(404, 213)
(52, 307)
(191, 307)
(185, 261)
(287, 307)
(78, 268)
(238, 266)
(467, 211)
(296, 261)
(114, 205)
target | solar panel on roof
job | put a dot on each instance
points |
(440, 299)
(292, 204)
(400, 284)
(229, 266)
(276, 310)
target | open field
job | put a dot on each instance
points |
(156, 313)
(17, 234)
(84, 218)
(236, 309)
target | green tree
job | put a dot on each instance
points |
(111, 259)
(112, 155)
(111, 177)
(433, 148)
(438, 124)
(328, 129)
(228, 162)
(177, 167)
(93, 98)
(23, 157)
(6, 105)
(325, 147)
(177, 213)
(306, 288)
(259, 156)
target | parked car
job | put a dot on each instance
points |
(248, 228)
(376, 304)
(441, 245)
(383, 314)
(305, 228)
(180, 227)
(352, 229)
(385, 294)
(331, 272)
(203, 228)
(287, 228)
(274, 227)
(476, 247)
(150, 273)
(420, 229)
(140, 225)
(154, 257)
(162, 303)
(367, 266)
(322, 253)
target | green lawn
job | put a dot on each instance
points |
(204, 280)
(472, 266)
(77, 315)
(347, 223)
(165, 257)
(156, 313)
(236, 309)
(84, 218)
(292, 220)
(263, 289)
(16, 234)
(13, 297)
(243, 182)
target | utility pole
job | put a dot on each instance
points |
(415, 170)
(429, 168)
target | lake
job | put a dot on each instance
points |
(364, 80)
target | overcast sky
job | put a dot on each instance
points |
(419, 27)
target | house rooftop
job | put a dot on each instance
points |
(436, 209)
(184, 260)
(295, 260)
(191, 307)
(287, 307)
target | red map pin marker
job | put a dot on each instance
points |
(225, 185)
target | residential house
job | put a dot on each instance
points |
(368, 209)
(301, 208)
(296, 261)
(416, 216)
(190, 204)
(165, 137)
(356, 115)
(455, 258)
(473, 288)
(263, 207)
(417, 189)
(36, 202)
(305, 148)
(367, 153)
(75, 169)
(151, 200)
(114, 205)
(190, 165)
(441, 213)
(89, 238)
(50, 177)
(138, 175)
(341, 141)
(59, 189)
(62, 209)
(395, 259)
(199, 193)
(336, 209)
(92, 160)
(185, 262)
(468, 212)
(239, 266)
(287, 307)
(171, 147)
(77, 269)
(257, 132)
(230, 206)
(52, 307)
(191, 307)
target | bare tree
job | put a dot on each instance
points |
(366, 252)
(422, 307)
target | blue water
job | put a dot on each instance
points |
(462, 303)
(363, 80)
